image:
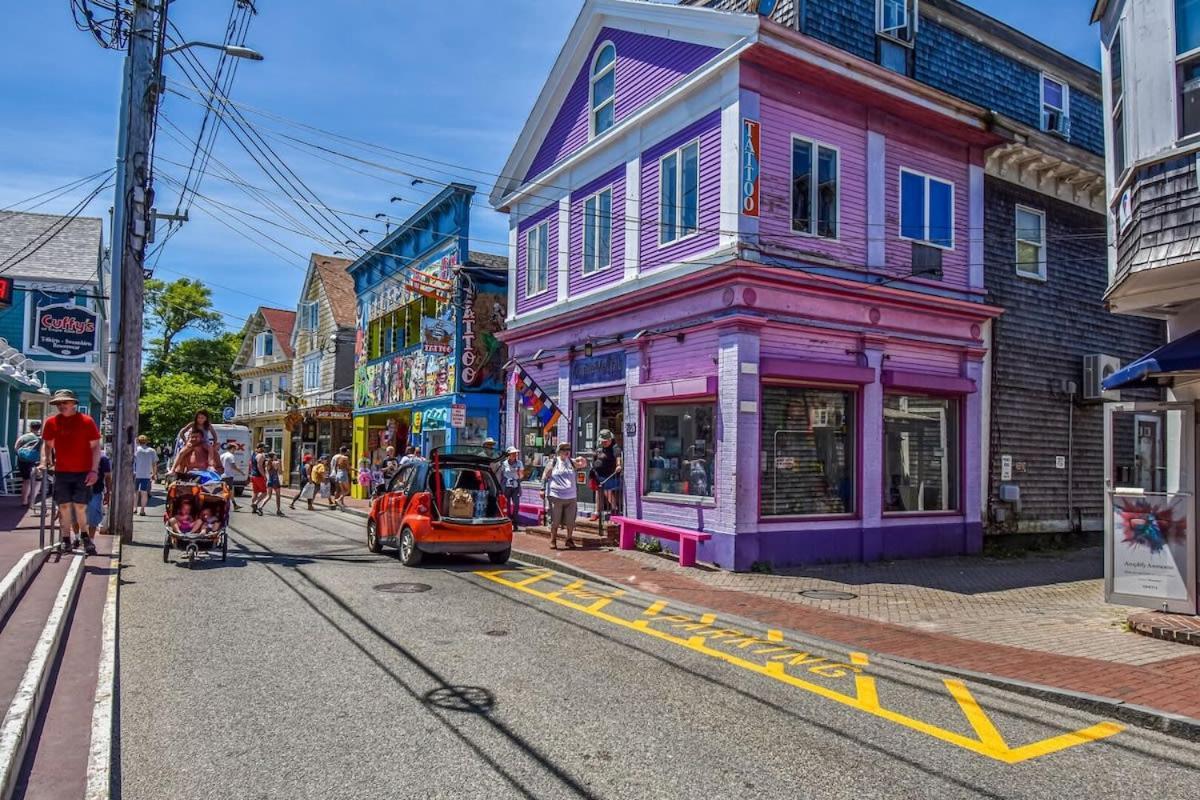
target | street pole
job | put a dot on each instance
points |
(139, 96)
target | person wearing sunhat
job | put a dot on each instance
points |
(489, 447)
(512, 471)
(72, 447)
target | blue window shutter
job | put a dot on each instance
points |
(912, 206)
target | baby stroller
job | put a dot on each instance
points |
(196, 516)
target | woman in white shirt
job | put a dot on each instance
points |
(558, 481)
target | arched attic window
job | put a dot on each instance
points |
(604, 77)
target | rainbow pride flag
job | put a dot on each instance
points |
(536, 400)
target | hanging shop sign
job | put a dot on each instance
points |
(606, 368)
(437, 335)
(482, 356)
(435, 419)
(65, 329)
(330, 412)
(750, 167)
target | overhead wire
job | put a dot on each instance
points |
(53, 230)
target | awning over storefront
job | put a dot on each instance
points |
(1181, 355)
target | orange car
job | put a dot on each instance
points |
(451, 503)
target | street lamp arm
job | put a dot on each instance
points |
(229, 49)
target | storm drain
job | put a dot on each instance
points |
(826, 594)
(402, 588)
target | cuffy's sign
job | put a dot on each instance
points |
(65, 329)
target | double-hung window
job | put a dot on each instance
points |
(679, 193)
(309, 315)
(1116, 69)
(814, 188)
(264, 386)
(1187, 64)
(896, 30)
(537, 276)
(926, 209)
(1056, 106)
(1031, 242)
(312, 372)
(597, 232)
(264, 344)
(604, 88)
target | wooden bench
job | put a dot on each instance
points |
(534, 510)
(630, 528)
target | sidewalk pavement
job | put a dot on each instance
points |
(1040, 619)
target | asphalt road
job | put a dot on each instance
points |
(296, 670)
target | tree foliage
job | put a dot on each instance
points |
(173, 308)
(169, 401)
(202, 358)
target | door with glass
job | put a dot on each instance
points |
(587, 428)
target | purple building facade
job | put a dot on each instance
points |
(759, 262)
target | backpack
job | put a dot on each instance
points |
(32, 452)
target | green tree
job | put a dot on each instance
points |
(169, 401)
(173, 308)
(205, 359)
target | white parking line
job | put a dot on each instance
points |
(99, 770)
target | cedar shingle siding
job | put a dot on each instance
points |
(1046, 330)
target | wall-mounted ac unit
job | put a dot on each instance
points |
(926, 261)
(1055, 121)
(1096, 368)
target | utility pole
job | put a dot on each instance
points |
(139, 96)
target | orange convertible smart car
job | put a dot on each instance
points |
(451, 503)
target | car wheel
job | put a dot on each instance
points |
(500, 556)
(410, 555)
(373, 537)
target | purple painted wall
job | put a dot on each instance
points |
(646, 67)
(580, 283)
(708, 130)
(549, 296)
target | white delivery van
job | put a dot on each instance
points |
(240, 436)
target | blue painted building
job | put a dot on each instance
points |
(55, 326)
(428, 368)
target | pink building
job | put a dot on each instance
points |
(758, 260)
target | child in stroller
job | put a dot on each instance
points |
(196, 515)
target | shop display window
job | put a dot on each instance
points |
(537, 446)
(679, 449)
(920, 453)
(807, 444)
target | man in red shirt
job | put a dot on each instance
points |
(73, 448)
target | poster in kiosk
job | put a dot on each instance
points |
(1150, 506)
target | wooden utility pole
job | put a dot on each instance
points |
(139, 96)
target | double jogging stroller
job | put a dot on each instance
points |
(196, 517)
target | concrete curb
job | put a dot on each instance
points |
(100, 751)
(19, 720)
(19, 577)
(1175, 725)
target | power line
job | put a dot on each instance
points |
(61, 223)
(57, 192)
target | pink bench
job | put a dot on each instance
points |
(630, 528)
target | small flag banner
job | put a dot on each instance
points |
(533, 398)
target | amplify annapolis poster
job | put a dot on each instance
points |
(1150, 546)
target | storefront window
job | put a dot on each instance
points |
(679, 449)
(920, 453)
(537, 446)
(807, 446)
(412, 334)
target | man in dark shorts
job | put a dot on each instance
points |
(72, 446)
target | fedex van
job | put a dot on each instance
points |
(239, 435)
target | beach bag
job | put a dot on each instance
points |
(462, 503)
(31, 453)
(309, 491)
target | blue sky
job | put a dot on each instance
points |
(451, 81)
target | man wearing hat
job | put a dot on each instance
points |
(512, 471)
(73, 449)
(489, 447)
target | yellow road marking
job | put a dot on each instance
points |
(708, 619)
(655, 607)
(774, 635)
(534, 578)
(988, 743)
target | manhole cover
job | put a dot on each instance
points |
(402, 588)
(469, 699)
(826, 594)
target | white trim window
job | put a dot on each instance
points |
(1187, 65)
(312, 373)
(309, 315)
(1056, 106)
(896, 19)
(1031, 242)
(597, 232)
(264, 385)
(926, 209)
(537, 274)
(815, 199)
(603, 90)
(1116, 78)
(679, 193)
(264, 344)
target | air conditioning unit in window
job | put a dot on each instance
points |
(926, 261)
(1096, 368)
(1054, 121)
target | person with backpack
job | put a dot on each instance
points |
(28, 448)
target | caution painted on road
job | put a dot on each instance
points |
(847, 681)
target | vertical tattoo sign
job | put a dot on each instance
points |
(749, 167)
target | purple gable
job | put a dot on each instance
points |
(549, 296)
(646, 67)
(580, 283)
